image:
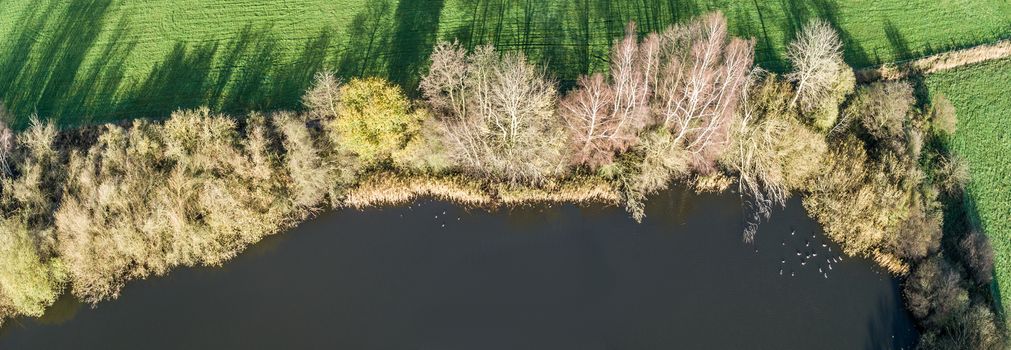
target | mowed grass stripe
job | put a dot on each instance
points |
(98, 60)
(983, 103)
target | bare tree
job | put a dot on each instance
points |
(817, 59)
(496, 111)
(702, 76)
(934, 293)
(632, 67)
(587, 112)
(323, 98)
(692, 77)
(605, 117)
(444, 87)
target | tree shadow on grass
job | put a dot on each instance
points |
(368, 42)
(42, 69)
(570, 37)
(66, 63)
(960, 214)
(799, 13)
(417, 23)
(235, 76)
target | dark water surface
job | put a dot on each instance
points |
(436, 276)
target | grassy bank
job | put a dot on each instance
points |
(983, 103)
(100, 60)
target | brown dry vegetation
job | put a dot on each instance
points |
(936, 63)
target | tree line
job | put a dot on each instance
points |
(87, 210)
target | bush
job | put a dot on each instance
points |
(977, 253)
(942, 115)
(374, 120)
(310, 175)
(29, 282)
(918, 236)
(883, 109)
(31, 275)
(855, 200)
(934, 293)
(951, 174)
(426, 153)
(145, 199)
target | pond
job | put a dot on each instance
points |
(434, 275)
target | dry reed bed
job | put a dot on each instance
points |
(936, 63)
(384, 189)
(890, 262)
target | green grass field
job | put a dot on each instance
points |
(96, 60)
(982, 100)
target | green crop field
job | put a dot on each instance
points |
(83, 61)
(983, 102)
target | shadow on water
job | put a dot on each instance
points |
(881, 327)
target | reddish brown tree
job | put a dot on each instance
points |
(604, 117)
(703, 77)
(687, 79)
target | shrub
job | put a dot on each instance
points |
(942, 115)
(951, 174)
(934, 293)
(374, 120)
(918, 236)
(29, 282)
(107, 225)
(426, 152)
(309, 174)
(656, 161)
(856, 200)
(146, 199)
(31, 276)
(883, 109)
(977, 253)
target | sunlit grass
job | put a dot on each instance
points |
(100, 60)
(982, 99)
